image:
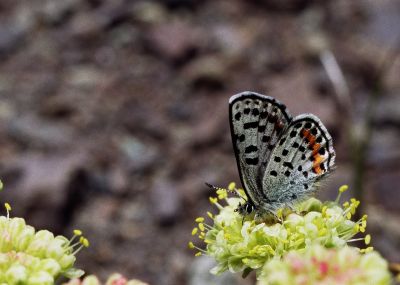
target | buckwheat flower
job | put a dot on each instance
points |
(241, 243)
(319, 265)
(34, 257)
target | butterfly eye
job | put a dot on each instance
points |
(249, 208)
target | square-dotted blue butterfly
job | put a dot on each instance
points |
(280, 158)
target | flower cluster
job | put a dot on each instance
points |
(114, 279)
(319, 265)
(30, 257)
(241, 244)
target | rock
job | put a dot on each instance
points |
(166, 201)
(119, 182)
(199, 273)
(54, 12)
(207, 132)
(87, 25)
(14, 30)
(174, 4)
(84, 76)
(149, 12)
(383, 23)
(91, 24)
(139, 156)
(175, 40)
(234, 40)
(39, 183)
(29, 130)
(208, 72)
(284, 5)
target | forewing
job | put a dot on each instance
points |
(303, 155)
(257, 122)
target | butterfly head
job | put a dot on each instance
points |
(245, 209)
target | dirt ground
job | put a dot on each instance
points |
(113, 115)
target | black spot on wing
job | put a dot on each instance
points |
(250, 148)
(261, 128)
(266, 138)
(273, 173)
(238, 116)
(250, 125)
(288, 164)
(252, 161)
(272, 119)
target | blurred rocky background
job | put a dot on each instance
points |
(114, 113)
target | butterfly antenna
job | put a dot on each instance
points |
(215, 188)
(234, 191)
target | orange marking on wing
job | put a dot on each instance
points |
(317, 158)
(311, 139)
(317, 169)
(316, 148)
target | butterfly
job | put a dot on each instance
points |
(280, 158)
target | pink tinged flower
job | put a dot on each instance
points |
(120, 281)
(296, 264)
(323, 267)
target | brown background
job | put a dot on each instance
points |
(113, 114)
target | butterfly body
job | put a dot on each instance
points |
(280, 158)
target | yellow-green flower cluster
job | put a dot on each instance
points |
(319, 265)
(241, 244)
(114, 279)
(30, 257)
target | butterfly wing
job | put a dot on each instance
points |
(303, 155)
(257, 123)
